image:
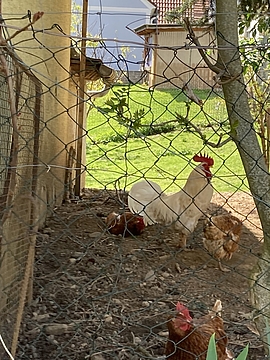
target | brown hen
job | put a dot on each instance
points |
(222, 236)
(189, 338)
(125, 224)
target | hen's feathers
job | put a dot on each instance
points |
(125, 224)
(192, 344)
(222, 235)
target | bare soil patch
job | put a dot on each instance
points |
(99, 296)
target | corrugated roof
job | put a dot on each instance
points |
(94, 68)
(195, 13)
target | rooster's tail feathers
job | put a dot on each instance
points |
(141, 196)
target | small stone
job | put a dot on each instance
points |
(52, 340)
(163, 333)
(165, 274)
(78, 254)
(99, 338)
(95, 234)
(136, 340)
(150, 276)
(56, 329)
(164, 257)
(42, 317)
(146, 303)
(47, 231)
(178, 268)
(117, 301)
(108, 318)
(97, 357)
(161, 303)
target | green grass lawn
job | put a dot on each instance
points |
(118, 152)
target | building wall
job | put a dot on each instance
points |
(172, 67)
(116, 20)
(133, 77)
(49, 59)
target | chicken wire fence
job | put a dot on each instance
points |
(19, 152)
(90, 294)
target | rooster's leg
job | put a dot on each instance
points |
(222, 268)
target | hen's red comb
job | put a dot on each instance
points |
(204, 158)
(184, 310)
(180, 307)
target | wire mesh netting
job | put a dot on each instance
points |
(76, 283)
(19, 151)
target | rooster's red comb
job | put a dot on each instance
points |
(204, 158)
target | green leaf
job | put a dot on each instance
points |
(105, 110)
(243, 354)
(235, 125)
(110, 102)
(123, 102)
(212, 350)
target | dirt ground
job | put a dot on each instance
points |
(98, 296)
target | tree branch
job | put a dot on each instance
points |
(197, 130)
(195, 40)
(36, 17)
(223, 76)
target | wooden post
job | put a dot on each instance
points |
(153, 76)
(81, 100)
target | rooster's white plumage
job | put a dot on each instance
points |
(184, 208)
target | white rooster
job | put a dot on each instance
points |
(184, 208)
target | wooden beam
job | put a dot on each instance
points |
(81, 115)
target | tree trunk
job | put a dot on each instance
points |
(244, 135)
